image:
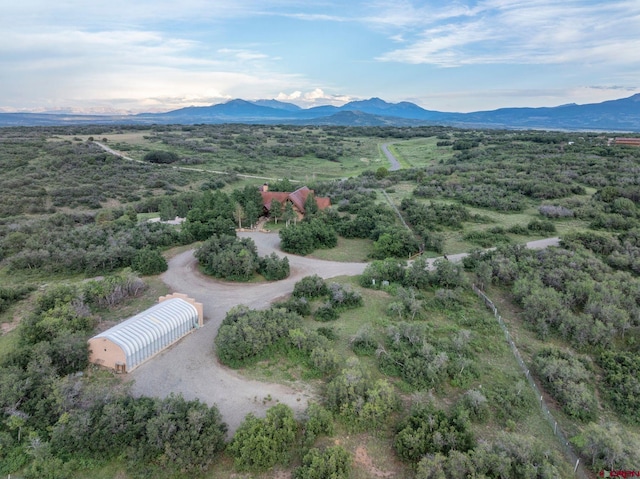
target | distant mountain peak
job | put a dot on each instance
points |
(613, 115)
(277, 104)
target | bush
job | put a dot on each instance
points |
(160, 156)
(245, 333)
(567, 378)
(310, 287)
(344, 297)
(332, 463)
(10, 295)
(296, 305)
(274, 268)
(622, 381)
(319, 421)
(364, 343)
(376, 272)
(538, 226)
(475, 404)
(428, 430)
(149, 261)
(360, 402)
(306, 236)
(395, 243)
(326, 313)
(261, 444)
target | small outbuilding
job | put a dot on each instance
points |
(130, 343)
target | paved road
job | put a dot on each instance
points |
(395, 164)
(190, 367)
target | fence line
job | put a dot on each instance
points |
(568, 450)
(395, 208)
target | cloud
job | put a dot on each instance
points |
(514, 31)
(315, 97)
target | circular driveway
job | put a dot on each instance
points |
(190, 367)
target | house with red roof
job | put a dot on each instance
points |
(296, 198)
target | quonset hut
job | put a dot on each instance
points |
(128, 344)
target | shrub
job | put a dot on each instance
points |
(332, 463)
(344, 297)
(359, 401)
(325, 313)
(428, 430)
(538, 226)
(552, 211)
(364, 343)
(567, 378)
(310, 287)
(149, 261)
(319, 421)
(261, 444)
(475, 404)
(274, 268)
(161, 157)
(376, 272)
(304, 237)
(245, 333)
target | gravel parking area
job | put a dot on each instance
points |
(190, 367)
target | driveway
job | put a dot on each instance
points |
(190, 367)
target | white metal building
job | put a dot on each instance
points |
(130, 343)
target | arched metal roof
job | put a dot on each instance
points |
(152, 330)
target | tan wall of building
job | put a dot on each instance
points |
(189, 300)
(104, 352)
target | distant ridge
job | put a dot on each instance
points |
(613, 115)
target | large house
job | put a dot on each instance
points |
(627, 141)
(296, 198)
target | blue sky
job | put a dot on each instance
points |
(467, 55)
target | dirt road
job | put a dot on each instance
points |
(190, 367)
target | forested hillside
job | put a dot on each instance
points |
(411, 374)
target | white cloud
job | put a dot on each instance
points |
(514, 31)
(314, 97)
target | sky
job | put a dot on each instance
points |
(131, 56)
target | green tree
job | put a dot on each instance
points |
(239, 214)
(149, 261)
(310, 206)
(166, 209)
(289, 214)
(261, 444)
(332, 463)
(276, 210)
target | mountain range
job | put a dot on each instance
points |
(614, 115)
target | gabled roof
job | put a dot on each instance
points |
(269, 196)
(299, 196)
(323, 202)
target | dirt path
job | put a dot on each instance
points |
(190, 367)
(184, 168)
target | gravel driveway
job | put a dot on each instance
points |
(190, 367)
